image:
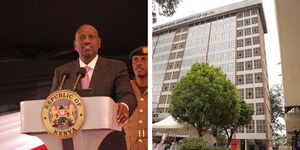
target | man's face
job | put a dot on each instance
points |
(140, 65)
(87, 41)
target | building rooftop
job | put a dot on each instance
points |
(214, 13)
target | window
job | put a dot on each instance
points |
(260, 126)
(175, 46)
(160, 110)
(248, 65)
(247, 22)
(256, 40)
(251, 127)
(254, 20)
(258, 77)
(184, 29)
(247, 41)
(240, 66)
(179, 54)
(254, 30)
(248, 52)
(168, 76)
(181, 45)
(249, 78)
(172, 56)
(253, 12)
(183, 36)
(175, 75)
(162, 99)
(176, 38)
(256, 51)
(259, 92)
(169, 98)
(240, 43)
(247, 31)
(249, 93)
(178, 64)
(239, 23)
(165, 87)
(240, 79)
(257, 64)
(172, 86)
(240, 15)
(240, 54)
(242, 93)
(170, 65)
(166, 109)
(247, 13)
(239, 33)
(178, 30)
(240, 129)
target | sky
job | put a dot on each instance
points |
(191, 7)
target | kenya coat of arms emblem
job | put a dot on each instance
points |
(63, 113)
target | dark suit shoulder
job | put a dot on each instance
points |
(109, 61)
(68, 65)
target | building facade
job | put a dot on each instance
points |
(229, 37)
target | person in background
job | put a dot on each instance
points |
(136, 128)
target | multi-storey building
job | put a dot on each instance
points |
(230, 37)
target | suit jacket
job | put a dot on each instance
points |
(110, 78)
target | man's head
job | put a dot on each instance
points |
(139, 59)
(87, 42)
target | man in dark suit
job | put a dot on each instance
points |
(106, 77)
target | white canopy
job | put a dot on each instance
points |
(167, 123)
(170, 126)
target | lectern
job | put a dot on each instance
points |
(100, 121)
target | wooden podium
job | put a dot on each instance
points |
(100, 121)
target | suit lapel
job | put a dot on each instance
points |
(98, 73)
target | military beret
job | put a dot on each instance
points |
(142, 50)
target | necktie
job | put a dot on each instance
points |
(85, 82)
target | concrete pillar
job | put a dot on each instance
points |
(246, 144)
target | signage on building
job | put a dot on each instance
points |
(183, 20)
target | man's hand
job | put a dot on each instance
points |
(122, 114)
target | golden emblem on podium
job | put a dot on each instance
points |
(63, 113)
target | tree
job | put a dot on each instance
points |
(277, 114)
(204, 98)
(244, 118)
(165, 8)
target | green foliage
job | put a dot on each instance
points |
(244, 118)
(204, 98)
(221, 140)
(216, 148)
(165, 8)
(192, 143)
(197, 143)
(277, 111)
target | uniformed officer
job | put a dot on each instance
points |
(136, 128)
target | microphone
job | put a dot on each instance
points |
(80, 74)
(65, 75)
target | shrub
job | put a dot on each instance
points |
(216, 148)
(193, 143)
(221, 140)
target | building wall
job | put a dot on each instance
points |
(233, 41)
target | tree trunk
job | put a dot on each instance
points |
(200, 132)
(230, 138)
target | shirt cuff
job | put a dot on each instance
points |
(125, 105)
